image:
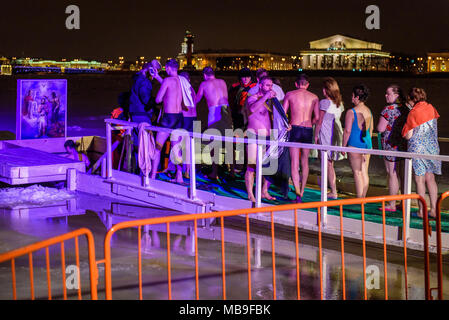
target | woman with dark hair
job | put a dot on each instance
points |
(421, 131)
(329, 131)
(390, 125)
(357, 133)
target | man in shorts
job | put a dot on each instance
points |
(171, 95)
(259, 127)
(304, 113)
(215, 92)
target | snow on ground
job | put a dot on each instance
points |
(33, 195)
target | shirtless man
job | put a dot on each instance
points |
(215, 92)
(259, 127)
(171, 95)
(304, 111)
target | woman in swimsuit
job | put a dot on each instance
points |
(357, 133)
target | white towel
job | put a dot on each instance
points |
(147, 149)
(186, 92)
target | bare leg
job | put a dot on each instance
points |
(161, 137)
(249, 183)
(355, 159)
(433, 192)
(365, 174)
(393, 181)
(294, 155)
(265, 194)
(304, 169)
(332, 179)
(421, 189)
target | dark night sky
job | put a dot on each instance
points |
(146, 28)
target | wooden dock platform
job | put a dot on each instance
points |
(24, 165)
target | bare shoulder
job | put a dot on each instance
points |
(312, 96)
(252, 99)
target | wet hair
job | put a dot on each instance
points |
(332, 89)
(361, 91)
(146, 66)
(397, 90)
(208, 71)
(185, 75)
(244, 73)
(155, 64)
(302, 79)
(70, 144)
(260, 72)
(417, 95)
(265, 78)
(172, 63)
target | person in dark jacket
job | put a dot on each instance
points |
(141, 103)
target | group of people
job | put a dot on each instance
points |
(407, 123)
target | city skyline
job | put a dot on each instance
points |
(134, 29)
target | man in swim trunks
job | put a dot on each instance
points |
(304, 113)
(259, 127)
(215, 92)
(171, 95)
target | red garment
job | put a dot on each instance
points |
(421, 113)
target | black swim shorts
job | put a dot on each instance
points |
(172, 120)
(301, 134)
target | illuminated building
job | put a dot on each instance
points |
(5, 66)
(438, 62)
(224, 60)
(75, 64)
(340, 52)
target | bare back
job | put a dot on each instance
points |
(171, 94)
(215, 92)
(364, 118)
(303, 105)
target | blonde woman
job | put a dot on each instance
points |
(329, 131)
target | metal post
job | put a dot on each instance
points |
(109, 150)
(407, 190)
(192, 168)
(324, 155)
(259, 176)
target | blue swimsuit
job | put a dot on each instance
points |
(358, 138)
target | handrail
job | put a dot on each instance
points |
(324, 154)
(45, 244)
(401, 154)
(439, 245)
(246, 212)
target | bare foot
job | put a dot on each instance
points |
(251, 198)
(332, 196)
(267, 196)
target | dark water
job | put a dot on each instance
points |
(91, 98)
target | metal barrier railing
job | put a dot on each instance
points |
(439, 245)
(291, 207)
(28, 250)
(113, 124)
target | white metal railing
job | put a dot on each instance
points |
(119, 124)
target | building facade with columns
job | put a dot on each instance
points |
(438, 62)
(340, 52)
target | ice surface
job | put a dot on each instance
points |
(33, 195)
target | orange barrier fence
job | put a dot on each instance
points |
(28, 250)
(439, 245)
(291, 207)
